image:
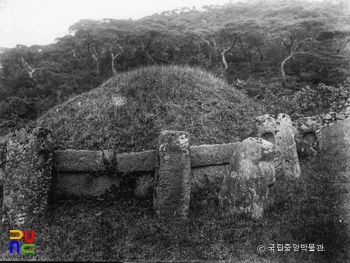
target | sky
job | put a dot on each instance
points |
(40, 22)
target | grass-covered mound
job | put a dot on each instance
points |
(128, 111)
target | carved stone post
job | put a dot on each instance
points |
(288, 160)
(245, 187)
(281, 133)
(27, 176)
(172, 179)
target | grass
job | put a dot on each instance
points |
(120, 227)
(127, 112)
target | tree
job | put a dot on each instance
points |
(292, 48)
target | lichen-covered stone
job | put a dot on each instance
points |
(208, 177)
(308, 137)
(215, 154)
(173, 173)
(287, 161)
(266, 127)
(336, 143)
(67, 184)
(27, 175)
(339, 116)
(336, 140)
(99, 161)
(246, 185)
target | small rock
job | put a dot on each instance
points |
(327, 117)
(340, 116)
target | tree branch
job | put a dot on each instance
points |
(224, 52)
(30, 70)
(114, 57)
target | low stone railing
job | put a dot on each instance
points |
(31, 170)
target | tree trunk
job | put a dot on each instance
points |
(29, 70)
(114, 57)
(94, 57)
(114, 72)
(97, 63)
(260, 54)
(223, 54)
(224, 60)
(282, 65)
(291, 55)
(145, 49)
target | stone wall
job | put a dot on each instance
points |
(31, 171)
(90, 173)
(27, 161)
(307, 130)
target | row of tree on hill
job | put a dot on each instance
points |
(306, 41)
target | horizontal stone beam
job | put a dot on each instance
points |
(100, 161)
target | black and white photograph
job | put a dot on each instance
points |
(175, 131)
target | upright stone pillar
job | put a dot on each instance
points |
(266, 127)
(336, 144)
(308, 135)
(281, 133)
(287, 160)
(27, 176)
(245, 187)
(172, 178)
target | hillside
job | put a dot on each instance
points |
(128, 111)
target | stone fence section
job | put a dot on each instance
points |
(30, 171)
(74, 171)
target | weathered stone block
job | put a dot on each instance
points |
(27, 175)
(173, 173)
(336, 139)
(287, 160)
(80, 160)
(208, 177)
(100, 161)
(139, 161)
(281, 132)
(266, 127)
(308, 137)
(206, 155)
(82, 184)
(246, 185)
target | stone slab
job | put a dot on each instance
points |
(99, 161)
(82, 184)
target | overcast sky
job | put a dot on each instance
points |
(30, 22)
